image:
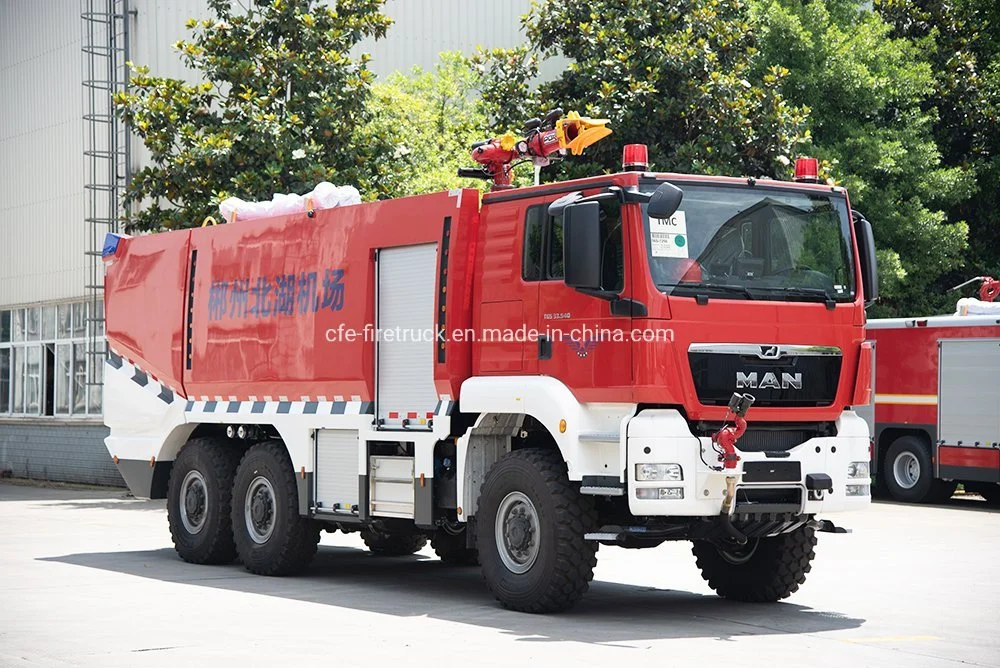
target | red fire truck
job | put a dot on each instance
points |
(936, 414)
(519, 377)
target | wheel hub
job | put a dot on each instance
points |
(193, 502)
(906, 470)
(258, 510)
(517, 532)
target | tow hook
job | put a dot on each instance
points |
(725, 439)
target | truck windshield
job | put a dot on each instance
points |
(753, 243)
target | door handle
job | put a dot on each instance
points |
(544, 347)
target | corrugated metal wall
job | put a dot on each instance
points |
(424, 28)
(41, 152)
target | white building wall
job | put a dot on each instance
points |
(42, 235)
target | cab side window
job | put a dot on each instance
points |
(531, 261)
(543, 246)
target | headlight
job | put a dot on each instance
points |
(659, 493)
(857, 490)
(649, 472)
(858, 470)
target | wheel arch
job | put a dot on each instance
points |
(887, 434)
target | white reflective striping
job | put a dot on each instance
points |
(907, 399)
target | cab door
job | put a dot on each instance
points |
(580, 341)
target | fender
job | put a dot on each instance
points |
(590, 437)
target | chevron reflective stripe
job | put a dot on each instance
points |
(117, 363)
(280, 407)
(444, 406)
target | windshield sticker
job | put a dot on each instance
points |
(668, 236)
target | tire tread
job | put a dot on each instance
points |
(774, 572)
(574, 516)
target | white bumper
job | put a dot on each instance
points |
(662, 437)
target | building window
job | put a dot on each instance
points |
(46, 361)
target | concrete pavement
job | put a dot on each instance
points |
(90, 578)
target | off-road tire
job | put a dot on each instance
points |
(451, 549)
(773, 571)
(564, 566)
(213, 542)
(294, 539)
(385, 544)
(927, 489)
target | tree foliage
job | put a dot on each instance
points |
(430, 119)
(282, 106)
(961, 40)
(674, 74)
(866, 91)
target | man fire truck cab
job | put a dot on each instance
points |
(519, 377)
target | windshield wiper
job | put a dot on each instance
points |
(801, 291)
(709, 287)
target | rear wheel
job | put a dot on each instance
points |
(271, 537)
(451, 549)
(531, 523)
(393, 544)
(763, 570)
(198, 501)
(908, 472)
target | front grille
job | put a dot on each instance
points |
(792, 380)
(765, 440)
(772, 436)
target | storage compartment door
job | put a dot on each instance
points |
(405, 350)
(338, 487)
(969, 392)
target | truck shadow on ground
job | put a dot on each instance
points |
(417, 586)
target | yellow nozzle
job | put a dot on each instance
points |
(508, 141)
(577, 132)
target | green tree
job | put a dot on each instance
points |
(431, 120)
(677, 75)
(283, 105)
(866, 91)
(961, 39)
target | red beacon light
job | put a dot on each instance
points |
(807, 170)
(635, 158)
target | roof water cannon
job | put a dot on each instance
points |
(989, 288)
(545, 141)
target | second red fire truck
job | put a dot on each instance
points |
(936, 413)
(519, 377)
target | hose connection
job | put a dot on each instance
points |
(724, 442)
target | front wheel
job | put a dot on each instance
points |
(531, 523)
(271, 537)
(763, 570)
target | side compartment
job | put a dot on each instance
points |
(969, 410)
(405, 394)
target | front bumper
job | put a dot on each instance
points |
(660, 436)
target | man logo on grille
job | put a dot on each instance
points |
(770, 380)
(769, 352)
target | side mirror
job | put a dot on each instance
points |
(665, 201)
(866, 250)
(582, 245)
